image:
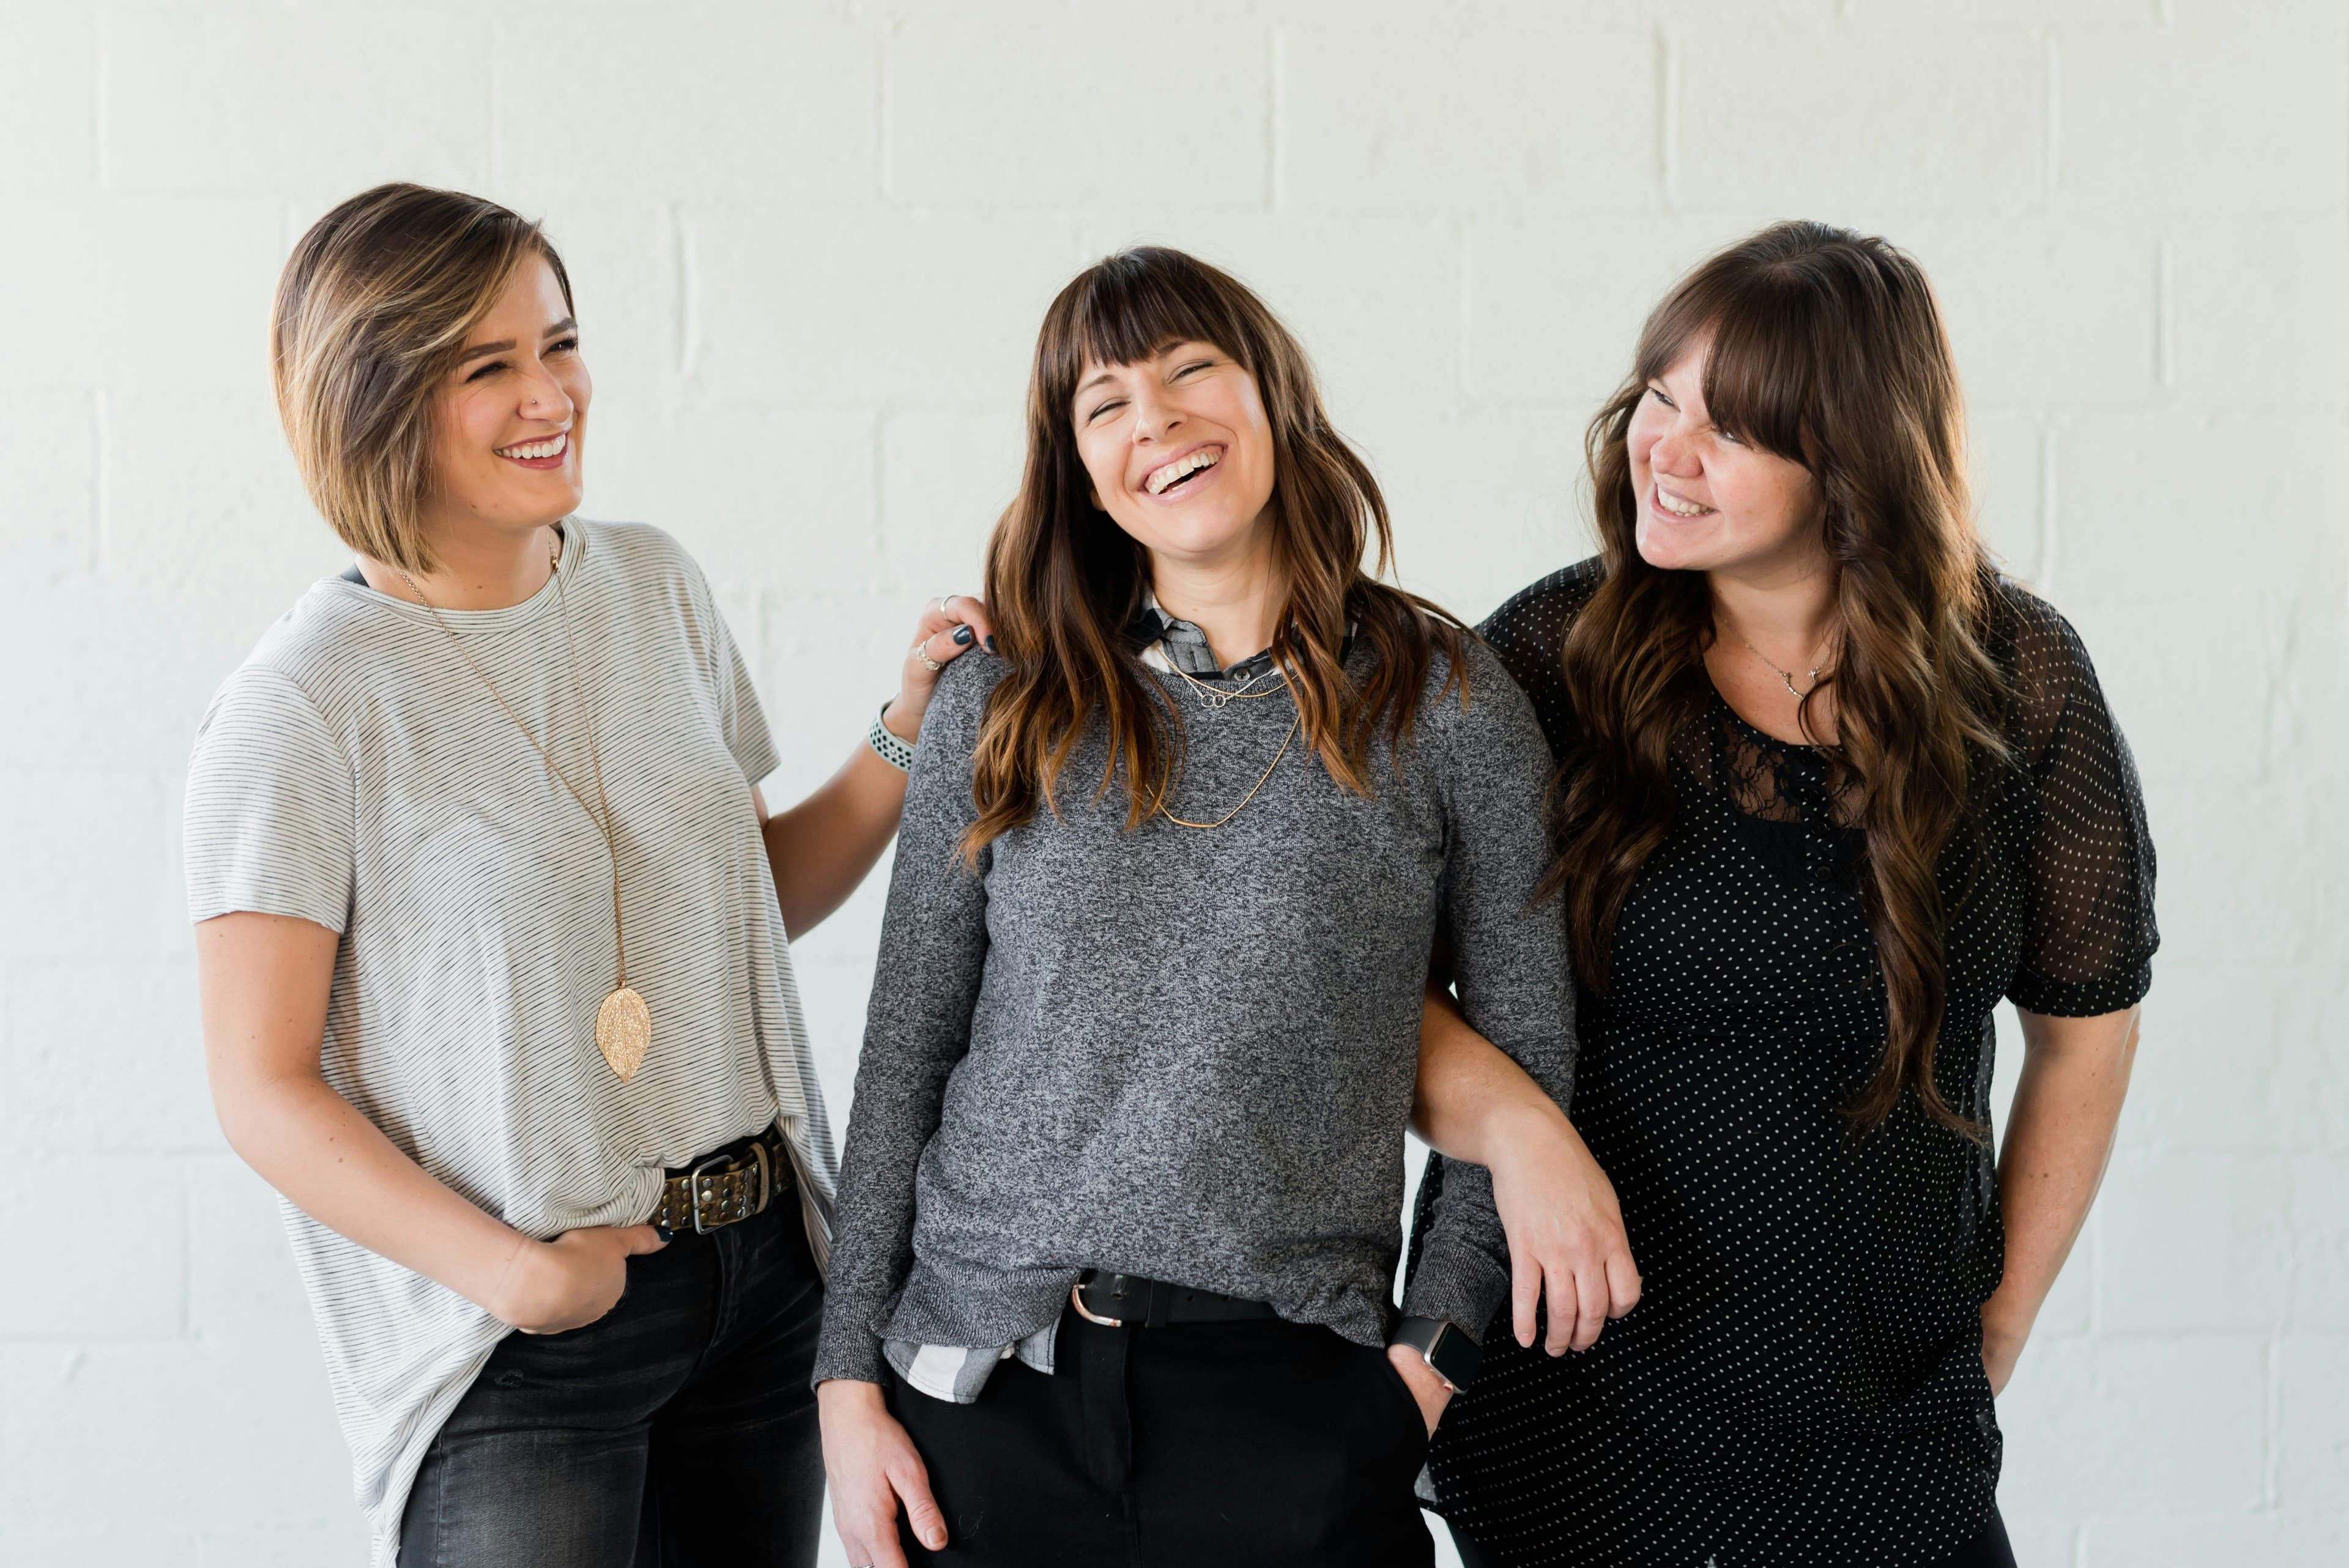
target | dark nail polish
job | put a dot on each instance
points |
(963, 634)
(991, 645)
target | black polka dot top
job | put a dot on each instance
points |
(1802, 1381)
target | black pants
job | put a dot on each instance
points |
(1263, 1442)
(1987, 1550)
(677, 1431)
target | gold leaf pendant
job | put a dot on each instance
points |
(623, 1032)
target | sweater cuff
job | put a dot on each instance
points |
(1458, 1282)
(846, 1350)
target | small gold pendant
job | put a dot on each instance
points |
(624, 1031)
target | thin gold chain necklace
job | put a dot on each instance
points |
(1785, 676)
(623, 1025)
(1262, 780)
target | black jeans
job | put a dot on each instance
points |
(677, 1431)
(1987, 1550)
(1262, 1442)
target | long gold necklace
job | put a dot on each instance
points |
(623, 1025)
(1215, 699)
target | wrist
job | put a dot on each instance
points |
(848, 1394)
(1519, 1132)
(903, 716)
(519, 1292)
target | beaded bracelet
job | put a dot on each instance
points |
(893, 751)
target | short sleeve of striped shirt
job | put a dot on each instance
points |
(270, 806)
(745, 724)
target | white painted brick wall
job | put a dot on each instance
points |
(812, 243)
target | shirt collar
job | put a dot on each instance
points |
(1163, 640)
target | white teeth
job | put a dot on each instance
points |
(1679, 507)
(553, 446)
(1181, 467)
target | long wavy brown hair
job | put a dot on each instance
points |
(1064, 581)
(1827, 349)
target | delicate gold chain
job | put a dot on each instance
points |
(1786, 676)
(579, 692)
(1216, 697)
(1294, 726)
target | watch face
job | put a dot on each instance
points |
(1454, 1356)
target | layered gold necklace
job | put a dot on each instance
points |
(1216, 700)
(623, 1025)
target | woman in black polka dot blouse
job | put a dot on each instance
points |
(1829, 788)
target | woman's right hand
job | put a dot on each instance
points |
(871, 1464)
(571, 1280)
(1566, 1234)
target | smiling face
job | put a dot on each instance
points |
(1179, 451)
(509, 420)
(1706, 500)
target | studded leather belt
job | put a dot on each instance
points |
(726, 1187)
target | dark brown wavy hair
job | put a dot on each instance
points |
(1063, 581)
(1827, 349)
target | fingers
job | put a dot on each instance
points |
(871, 1539)
(1622, 1283)
(1591, 1304)
(1524, 1295)
(942, 619)
(638, 1239)
(912, 1480)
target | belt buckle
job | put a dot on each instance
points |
(693, 1188)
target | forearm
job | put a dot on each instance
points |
(822, 849)
(2059, 1138)
(337, 1167)
(1473, 1103)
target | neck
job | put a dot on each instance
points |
(478, 568)
(1235, 602)
(1788, 610)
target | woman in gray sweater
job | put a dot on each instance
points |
(1119, 1210)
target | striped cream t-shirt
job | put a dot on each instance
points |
(355, 772)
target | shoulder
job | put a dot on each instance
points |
(326, 642)
(642, 555)
(1483, 708)
(2040, 651)
(1528, 629)
(958, 707)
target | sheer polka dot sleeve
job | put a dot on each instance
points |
(2089, 934)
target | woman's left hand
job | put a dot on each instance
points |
(1426, 1385)
(950, 627)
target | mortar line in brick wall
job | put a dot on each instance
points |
(2051, 169)
(101, 500)
(187, 1252)
(1667, 117)
(98, 62)
(2163, 366)
(1276, 57)
(881, 115)
(682, 262)
(2044, 566)
(495, 129)
(2271, 1416)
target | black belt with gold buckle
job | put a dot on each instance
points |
(726, 1188)
(1114, 1300)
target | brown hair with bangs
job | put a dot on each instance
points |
(371, 316)
(1827, 349)
(1063, 581)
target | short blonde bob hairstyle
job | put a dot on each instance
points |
(371, 316)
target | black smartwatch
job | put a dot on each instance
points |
(1444, 1345)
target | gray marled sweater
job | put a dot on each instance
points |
(1189, 1055)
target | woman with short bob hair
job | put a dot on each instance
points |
(1829, 788)
(493, 934)
(1120, 1196)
